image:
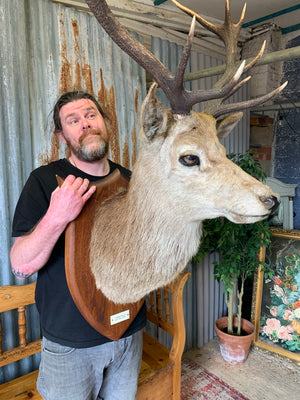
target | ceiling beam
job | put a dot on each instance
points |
(276, 56)
(169, 18)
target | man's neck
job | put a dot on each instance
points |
(95, 168)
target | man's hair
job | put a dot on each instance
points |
(68, 97)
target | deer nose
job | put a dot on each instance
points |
(271, 203)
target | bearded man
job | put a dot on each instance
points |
(77, 362)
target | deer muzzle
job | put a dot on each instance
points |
(270, 202)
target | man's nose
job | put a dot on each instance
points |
(86, 124)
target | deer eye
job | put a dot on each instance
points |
(189, 160)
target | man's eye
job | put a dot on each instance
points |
(73, 122)
(91, 116)
(189, 160)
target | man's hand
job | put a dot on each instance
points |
(30, 252)
(68, 200)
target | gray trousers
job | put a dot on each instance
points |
(109, 371)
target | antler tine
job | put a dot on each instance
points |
(183, 100)
(237, 87)
(185, 55)
(216, 93)
(206, 24)
(230, 108)
(254, 61)
(228, 32)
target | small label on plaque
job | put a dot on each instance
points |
(122, 316)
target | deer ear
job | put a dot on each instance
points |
(226, 124)
(154, 117)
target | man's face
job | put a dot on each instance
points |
(84, 130)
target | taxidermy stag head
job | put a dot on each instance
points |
(143, 238)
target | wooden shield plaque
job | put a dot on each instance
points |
(108, 318)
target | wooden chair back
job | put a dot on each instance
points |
(18, 297)
(164, 310)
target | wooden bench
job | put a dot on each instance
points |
(160, 375)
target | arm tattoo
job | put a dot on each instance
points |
(20, 274)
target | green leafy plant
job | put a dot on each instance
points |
(237, 244)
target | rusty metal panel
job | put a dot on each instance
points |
(46, 49)
(76, 53)
(64, 49)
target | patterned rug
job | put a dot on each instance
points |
(197, 383)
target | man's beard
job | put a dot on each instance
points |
(84, 152)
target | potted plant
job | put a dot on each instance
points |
(238, 246)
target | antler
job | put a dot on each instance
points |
(228, 32)
(181, 100)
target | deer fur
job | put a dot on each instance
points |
(143, 238)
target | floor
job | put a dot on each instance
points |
(262, 377)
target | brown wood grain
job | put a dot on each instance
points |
(22, 388)
(13, 296)
(91, 302)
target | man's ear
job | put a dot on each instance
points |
(61, 136)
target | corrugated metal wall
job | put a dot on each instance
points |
(46, 49)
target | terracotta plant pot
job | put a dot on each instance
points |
(234, 349)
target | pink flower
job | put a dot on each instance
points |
(288, 315)
(284, 332)
(274, 311)
(272, 325)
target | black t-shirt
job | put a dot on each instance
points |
(61, 320)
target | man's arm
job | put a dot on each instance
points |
(30, 252)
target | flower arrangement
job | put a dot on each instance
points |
(281, 322)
